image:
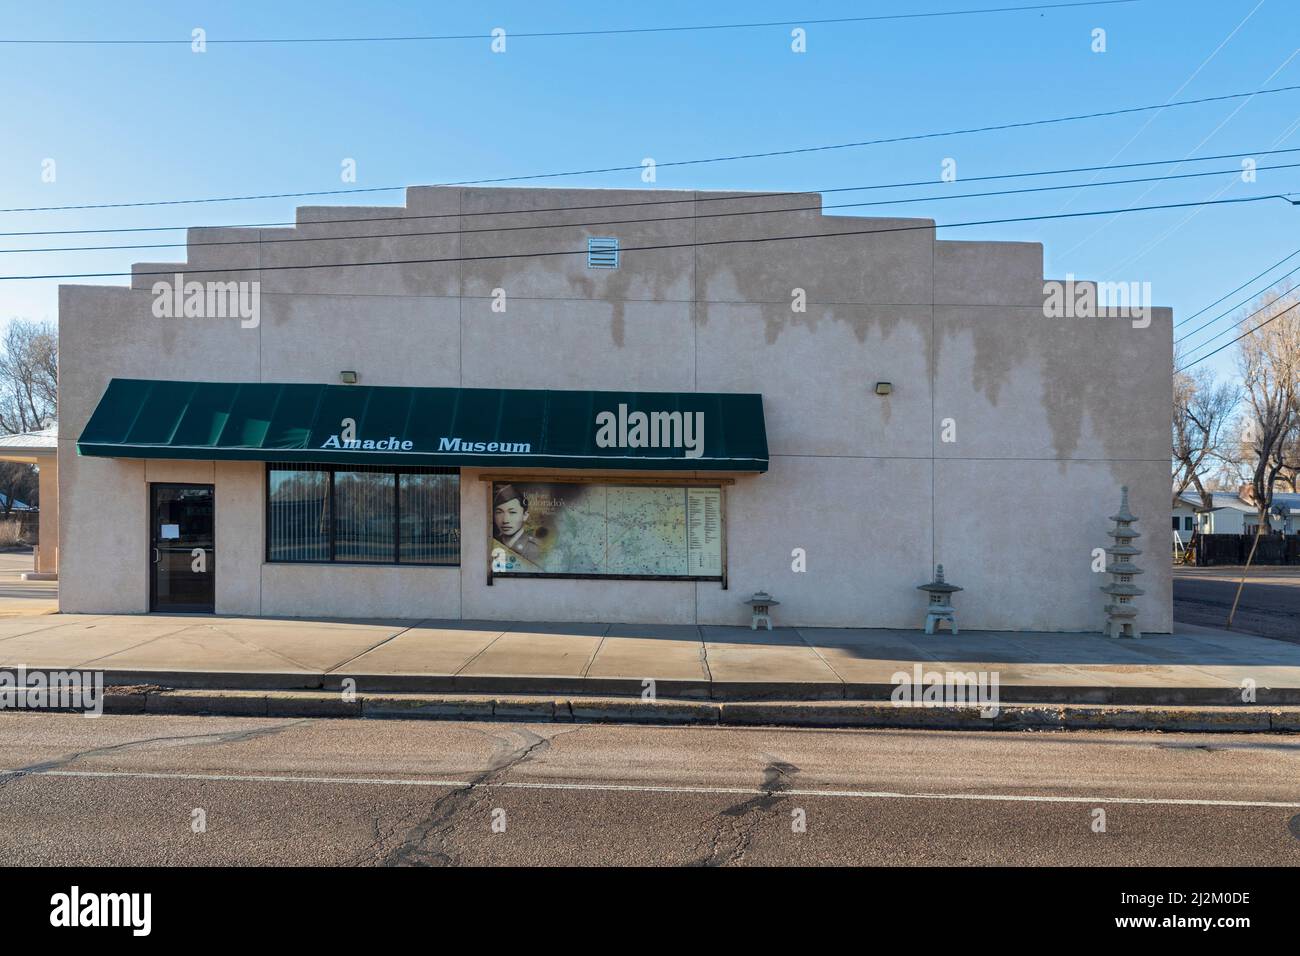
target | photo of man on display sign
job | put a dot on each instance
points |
(521, 548)
(548, 527)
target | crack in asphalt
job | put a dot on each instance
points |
(233, 736)
(734, 828)
(430, 841)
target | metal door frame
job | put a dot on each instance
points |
(150, 546)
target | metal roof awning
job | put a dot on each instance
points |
(371, 424)
(31, 447)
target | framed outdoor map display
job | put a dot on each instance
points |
(607, 529)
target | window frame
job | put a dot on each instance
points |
(330, 469)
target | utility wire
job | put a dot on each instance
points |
(620, 222)
(1240, 337)
(929, 14)
(914, 137)
(1234, 308)
(226, 270)
(1242, 321)
(691, 198)
(1233, 292)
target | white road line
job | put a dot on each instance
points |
(644, 788)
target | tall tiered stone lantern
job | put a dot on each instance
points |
(1121, 612)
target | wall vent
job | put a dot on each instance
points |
(602, 252)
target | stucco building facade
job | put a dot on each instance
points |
(998, 450)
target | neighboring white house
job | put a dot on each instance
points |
(1230, 515)
(1185, 516)
(1234, 514)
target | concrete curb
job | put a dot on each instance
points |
(741, 692)
(152, 699)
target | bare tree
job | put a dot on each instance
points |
(29, 376)
(18, 482)
(1237, 462)
(1287, 455)
(29, 362)
(1202, 413)
(1269, 360)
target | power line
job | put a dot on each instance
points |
(620, 222)
(914, 137)
(1151, 243)
(661, 246)
(404, 217)
(1242, 335)
(931, 14)
(1235, 291)
(1151, 119)
(1246, 319)
(1234, 308)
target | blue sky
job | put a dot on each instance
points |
(129, 123)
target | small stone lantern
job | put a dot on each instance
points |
(759, 605)
(939, 609)
(1121, 613)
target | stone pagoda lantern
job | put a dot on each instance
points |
(760, 606)
(940, 607)
(1121, 612)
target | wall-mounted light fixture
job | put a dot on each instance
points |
(350, 378)
(884, 388)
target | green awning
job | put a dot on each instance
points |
(372, 424)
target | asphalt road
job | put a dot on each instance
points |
(125, 790)
(17, 594)
(1269, 606)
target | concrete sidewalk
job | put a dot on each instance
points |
(1195, 666)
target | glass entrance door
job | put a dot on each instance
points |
(181, 548)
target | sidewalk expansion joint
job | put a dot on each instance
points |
(390, 637)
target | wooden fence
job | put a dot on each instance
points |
(1212, 549)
